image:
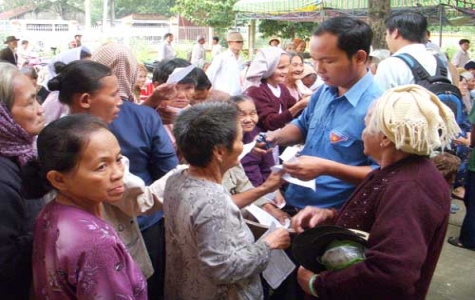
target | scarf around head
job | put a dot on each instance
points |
(15, 142)
(415, 120)
(262, 66)
(124, 66)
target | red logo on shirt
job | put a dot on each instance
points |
(336, 137)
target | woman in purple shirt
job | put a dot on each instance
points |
(76, 254)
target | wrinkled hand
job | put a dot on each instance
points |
(161, 93)
(273, 182)
(278, 239)
(310, 217)
(277, 213)
(303, 277)
(306, 167)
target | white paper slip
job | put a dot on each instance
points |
(179, 73)
(279, 267)
(309, 184)
(290, 152)
(264, 217)
(246, 149)
(271, 197)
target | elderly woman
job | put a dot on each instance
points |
(404, 205)
(293, 79)
(265, 85)
(91, 87)
(211, 253)
(76, 253)
(21, 119)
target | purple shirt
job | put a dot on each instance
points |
(78, 255)
(257, 167)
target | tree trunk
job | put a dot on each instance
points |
(378, 10)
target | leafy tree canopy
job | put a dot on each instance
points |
(214, 13)
(285, 29)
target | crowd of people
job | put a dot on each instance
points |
(108, 193)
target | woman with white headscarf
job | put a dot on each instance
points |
(265, 85)
(404, 205)
(66, 57)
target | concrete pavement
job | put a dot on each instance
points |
(454, 277)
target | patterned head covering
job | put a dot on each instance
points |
(415, 120)
(124, 65)
(262, 66)
(14, 140)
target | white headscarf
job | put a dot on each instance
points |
(262, 66)
(415, 120)
(65, 57)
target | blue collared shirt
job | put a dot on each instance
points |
(332, 126)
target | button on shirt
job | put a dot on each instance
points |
(332, 126)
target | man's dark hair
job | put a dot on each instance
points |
(202, 80)
(463, 41)
(167, 35)
(411, 25)
(165, 68)
(353, 35)
(215, 38)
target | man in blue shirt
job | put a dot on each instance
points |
(332, 124)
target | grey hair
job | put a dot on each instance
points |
(7, 73)
(373, 125)
(201, 128)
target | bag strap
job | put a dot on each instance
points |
(417, 69)
(441, 69)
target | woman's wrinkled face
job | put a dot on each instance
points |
(247, 115)
(296, 68)
(183, 96)
(105, 102)
(280, 72)
(141, 78)
(99, 166)
(26, 110)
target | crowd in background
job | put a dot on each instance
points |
(120, 185)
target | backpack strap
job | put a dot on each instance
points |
(417, 69)
(441, 69)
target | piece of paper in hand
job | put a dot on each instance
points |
(279, 267)
(290, 152)
(309, 184)
(179, 73)
(264, 217)
(271, 197)
(246, 149)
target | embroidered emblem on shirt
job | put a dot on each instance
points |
(336, 137)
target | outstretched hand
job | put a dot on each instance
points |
(161, 93)
(310, 217)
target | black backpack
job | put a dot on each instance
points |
(438, 84)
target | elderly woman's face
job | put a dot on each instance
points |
(26, 110)
(296, 68)
(183, 96)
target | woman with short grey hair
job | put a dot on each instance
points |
(211, 253)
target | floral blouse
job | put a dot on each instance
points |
(210, 251)
(77, 255)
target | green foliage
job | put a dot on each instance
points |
(217, 13)
(126, 7)
(285, 29)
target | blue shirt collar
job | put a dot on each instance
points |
(354, 94)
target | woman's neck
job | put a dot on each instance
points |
(212, 172)
(92, 208)
(290, 82)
